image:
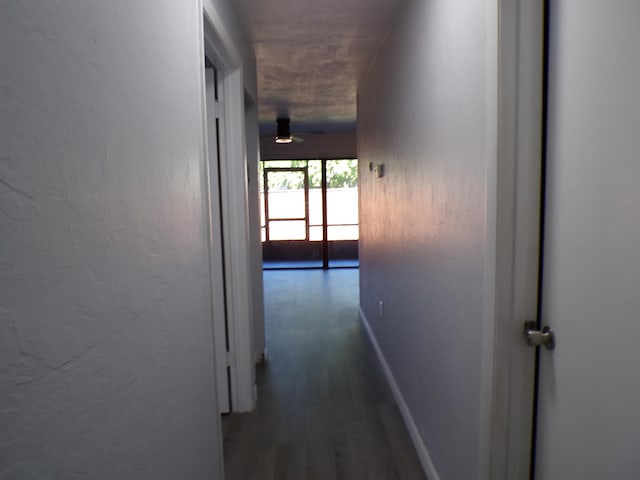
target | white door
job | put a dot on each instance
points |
(589, 392)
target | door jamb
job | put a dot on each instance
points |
(217, 257)
(219, 44)
(517, 227)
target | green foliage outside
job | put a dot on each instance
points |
(340, 174)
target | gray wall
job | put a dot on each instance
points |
(105, 329)
(423, 113)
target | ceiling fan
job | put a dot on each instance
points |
(283, 134)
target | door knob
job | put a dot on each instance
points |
(536, 338)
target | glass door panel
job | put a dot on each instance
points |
(286, 194)
(309, 212)
(286, 216)
(287, 230)
(286, 203)
(342, 212)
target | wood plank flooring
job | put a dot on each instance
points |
(324, 409)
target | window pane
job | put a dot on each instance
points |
(315, 233)
(286, 204)
(287, 230)
(283, 163)
(285, 180)
(315, 206)
(287, 200)
(342, 206)
(315, 173)
(343, 232)
(342, 173)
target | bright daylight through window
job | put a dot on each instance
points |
(292, 202)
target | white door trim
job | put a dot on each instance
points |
(219, 45)
(216, 247)
(517, 230)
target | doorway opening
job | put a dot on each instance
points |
(309, 213)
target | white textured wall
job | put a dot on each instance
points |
(105, 330)
(423, 113)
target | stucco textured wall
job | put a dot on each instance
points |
(105, 331)
(423, 114)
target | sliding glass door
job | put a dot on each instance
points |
(309, 213)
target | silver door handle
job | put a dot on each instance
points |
(536, 338)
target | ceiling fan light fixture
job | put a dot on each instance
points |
(284, 133)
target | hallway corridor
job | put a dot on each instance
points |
(324, 409)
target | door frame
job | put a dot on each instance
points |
(514, 188)
(218, 257)
(267, 218)
(218, 45)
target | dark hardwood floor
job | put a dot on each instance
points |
(324, 409)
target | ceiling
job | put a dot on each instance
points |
(311, 55)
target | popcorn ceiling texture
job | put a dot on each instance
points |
(311, 56)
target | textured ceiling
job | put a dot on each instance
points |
(311, 55)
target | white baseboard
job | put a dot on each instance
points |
(421, 449)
